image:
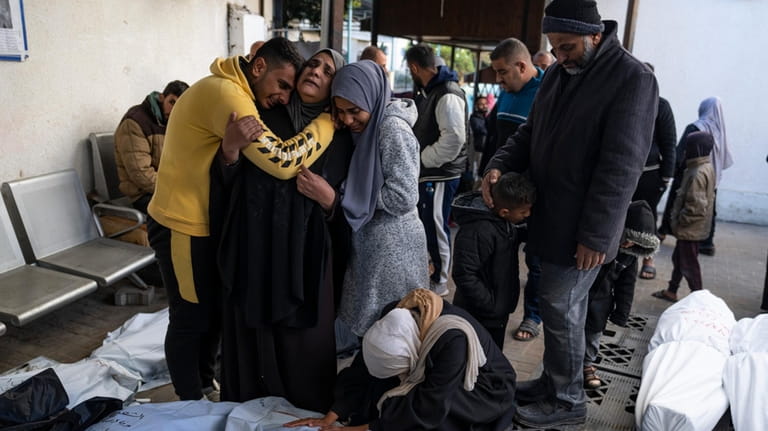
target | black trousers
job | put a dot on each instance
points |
(650, 188)
(710, 241)
(685, 264)
(142, 203)
(194, 330)
(497, 334)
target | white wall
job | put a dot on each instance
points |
(90, 60)
(703, 48)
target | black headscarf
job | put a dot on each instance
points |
(303, 113)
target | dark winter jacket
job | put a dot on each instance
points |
(612, 291)
(662, 153)
(485, 267)
(664, 228)
(585, 143)
(477, 125)
(428, 132)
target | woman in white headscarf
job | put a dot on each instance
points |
(710, 120)
(425, 365)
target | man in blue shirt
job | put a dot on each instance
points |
(520, 79)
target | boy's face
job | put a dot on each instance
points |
(627, 244)
(515, 215)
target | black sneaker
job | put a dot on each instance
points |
(531, 391)
(547, 415)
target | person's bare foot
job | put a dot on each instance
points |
(527, 330)
(648, 271)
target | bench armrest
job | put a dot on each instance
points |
(101, 209)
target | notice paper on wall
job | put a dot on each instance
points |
(13, 34)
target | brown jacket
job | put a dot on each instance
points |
(138, 144)
(693, 208)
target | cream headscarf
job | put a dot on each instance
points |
(426, 306)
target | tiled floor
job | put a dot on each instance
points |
(736, 274)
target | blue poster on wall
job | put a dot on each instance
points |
(13, 33)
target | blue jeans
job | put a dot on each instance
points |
(592, 348)
(563, 294)
(531, 293)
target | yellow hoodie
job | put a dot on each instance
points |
(194, 134)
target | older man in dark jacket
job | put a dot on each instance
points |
(585, 143)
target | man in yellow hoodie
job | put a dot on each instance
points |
(187, 197)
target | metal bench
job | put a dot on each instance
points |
(29, 291)
(106, 183)
(57, 229)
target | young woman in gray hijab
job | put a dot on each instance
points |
(379, 197)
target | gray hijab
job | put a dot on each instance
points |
(303, 113)
(711, 120)
(363, 84)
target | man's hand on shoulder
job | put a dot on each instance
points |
(238, 135)
(490, 178)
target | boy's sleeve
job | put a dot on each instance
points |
(472, 250)
(521, 233)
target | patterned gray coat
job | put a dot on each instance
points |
(389, 253)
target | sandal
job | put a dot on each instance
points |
(591, 380)
(663, 294)
(648, 272)
(527, 331)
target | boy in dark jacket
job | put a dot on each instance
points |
(485, 265)
(610, 297)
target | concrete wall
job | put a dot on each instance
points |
(90, 60)
(703, 48)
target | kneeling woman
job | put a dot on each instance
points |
(425, 365)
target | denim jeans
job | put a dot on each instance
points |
(563, 298)
(592, 346)
(531, 292)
